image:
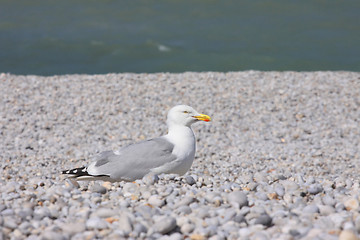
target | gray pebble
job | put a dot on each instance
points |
(129, 189)
(264, 219)
(280, 190)
(326, 210)
(96, 223)
(150, 179)
(125, 223)
(187, 228)
(164, 224)
(184, 210)
(311, 209)
(185, 201)
(10, 222)
(290, 186)
(140, 228)
(211, 197)
(262, 196)
(156, 201)
(103, 213)
(328, 200)
(51, 235)
(339, 207)
(190, 180)
(97, 188)
(73, 228)
(239, 218)
(8, 212)
(25, 228)
(25, 212)
(315, 189)
(41, 213)
(238, 198)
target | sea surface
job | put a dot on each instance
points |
(95, 37)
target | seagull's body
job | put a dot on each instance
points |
(171, 153)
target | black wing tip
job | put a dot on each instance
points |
(80, 172)
(77, 172)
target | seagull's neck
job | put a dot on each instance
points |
(180, 134)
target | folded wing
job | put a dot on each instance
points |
(134, 161)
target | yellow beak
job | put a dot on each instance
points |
(203, 117)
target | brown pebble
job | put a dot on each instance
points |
(53, 199)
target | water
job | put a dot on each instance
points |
(87, 36)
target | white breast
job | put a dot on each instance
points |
(183, 139)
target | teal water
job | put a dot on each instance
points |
(87, 36)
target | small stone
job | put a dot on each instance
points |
(17, 234)
(54, 213)
(211, 196)
(347, 235)
(272, 196)
(107, 185)
(41, 213)
(339, 207)
(351, 204)
(184, 209)
(156, 201)
(10, 222)
(326, 210)
(185, 201)
(175, 236)
(190, 180)
(327, 200)
(164, 224)
(239, 218)
(129, 189)
(8, 212)
(262, 196)
(238, 198)
(197, 236)
(125, 223)
(25, 228)
(53, 199)
(2, 208)
(73, 228)
(97, 188)
(150, 179)
(279, 190)
(96, 223)
(187, 228)
(264, 219)
(311, 209)
(103, 213)
(139, 228)
(315, 189)
(71, 183)
(290, 186)
(51, 235)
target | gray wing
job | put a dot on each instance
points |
(133, 161)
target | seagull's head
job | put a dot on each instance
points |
(185, 115)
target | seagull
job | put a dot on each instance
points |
(171, 153)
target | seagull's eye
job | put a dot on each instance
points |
(185, 112)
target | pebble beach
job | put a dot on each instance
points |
(279, 160)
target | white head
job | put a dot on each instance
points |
(185, 116)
